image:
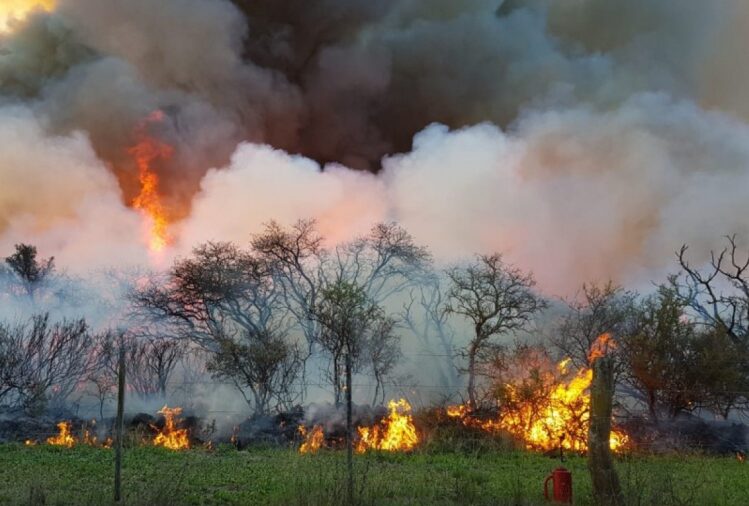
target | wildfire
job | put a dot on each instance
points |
(145, 152)
(170, 436)
(313, 439)
(64, 437)
(601, 347)
(67, 439)
(19, 9)
(396, 432)
(557, 417)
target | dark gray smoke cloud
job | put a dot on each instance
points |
(549, 109)
(336, 80)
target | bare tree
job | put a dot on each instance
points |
(297, 261)
(152, 362)
(496, 298)
(720, 293)
(382, 263)
(42, 363)
(227, 302)
(600, 310)
(382, 354)
(424, 316)
(719, 297)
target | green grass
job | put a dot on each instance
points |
(80, 476)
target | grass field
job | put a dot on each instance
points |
(83, 475)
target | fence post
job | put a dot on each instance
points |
(349, 431)
(119, 425)
(606, 488)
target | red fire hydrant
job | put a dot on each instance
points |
(561, 480)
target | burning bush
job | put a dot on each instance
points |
(545, 406)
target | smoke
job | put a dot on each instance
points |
(585, 139)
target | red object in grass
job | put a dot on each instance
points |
(561, 480)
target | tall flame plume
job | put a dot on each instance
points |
(145, 153)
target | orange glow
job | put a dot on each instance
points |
(19, 9)
(145, 152)
(30, 442)
(394, 433)
(601, 347)
(63, 437)
(313, 439)
(559, 417)
(170, 436)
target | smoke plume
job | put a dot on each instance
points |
(587, 139)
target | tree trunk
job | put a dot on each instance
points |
(651, 406)
(472, 376)
(606, 488)
(349, 433)
(337, 381)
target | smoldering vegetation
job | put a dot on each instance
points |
(253, 342)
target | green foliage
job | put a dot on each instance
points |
(83, 476)
(678, 364)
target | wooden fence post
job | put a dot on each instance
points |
(606, 488)
(119, 426)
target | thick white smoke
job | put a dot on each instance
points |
(585, 139)
(56, 194)
(574, 195)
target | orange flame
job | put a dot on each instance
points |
(601, 347)
(63, 438)
(18, 9)
(394, 433)
(170, 436)
(559, 417)
(313, 439)
(145, 152)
